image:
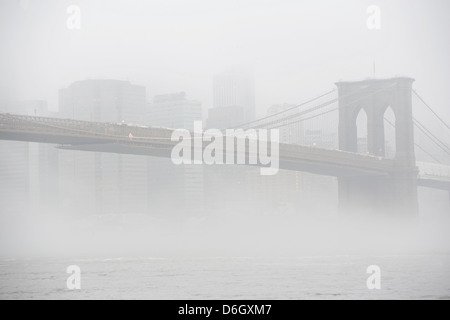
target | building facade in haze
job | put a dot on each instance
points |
(225, 117)
(29, 174)
(234, 89)
(106, 183)
(174, 111)
(103, 101)
(177, 189)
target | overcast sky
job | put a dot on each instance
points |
(297, 48)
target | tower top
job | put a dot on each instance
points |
(394, 80)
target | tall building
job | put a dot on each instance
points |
(235, 88)
(174, 111)
(28, 172)
(225, 117)
(278, 194)
(103, 101)
(178, 189)
(234, 104)
(15, 194)
(106, 183)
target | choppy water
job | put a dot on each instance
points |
(307, 277)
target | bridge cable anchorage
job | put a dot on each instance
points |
(431, 136)
(416, 144)
(287, 110)
(431, 109)
(316, 108)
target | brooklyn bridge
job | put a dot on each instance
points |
(365, 180)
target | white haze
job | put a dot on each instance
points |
(296, 48)
(242, 231)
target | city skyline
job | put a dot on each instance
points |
(119, 99)
(286, 71)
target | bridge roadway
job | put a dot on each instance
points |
(434, 176)
(153, 141)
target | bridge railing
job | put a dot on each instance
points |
(79, 128)
(434, 170)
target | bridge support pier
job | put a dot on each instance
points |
(396, 193)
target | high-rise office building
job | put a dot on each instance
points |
(15, 194)
(178, 189)
(233, 105)
(235, 88)
(270, 194)
(315, 186)
(225, 117)
(106, 183)
(174, 111)
(29, 174)
(103, 101)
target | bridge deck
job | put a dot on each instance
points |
(434, 175)
(115, 138)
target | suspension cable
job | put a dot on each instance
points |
(305, 119)
(416, 144)
(431, 109)
(443, 144)
(427, 153)
(317, 108)
(274, 122)
(432, 137)
(287, 110)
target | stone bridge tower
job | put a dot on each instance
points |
(397, 192)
